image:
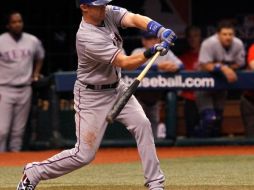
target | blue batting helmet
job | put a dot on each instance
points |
(95, 2)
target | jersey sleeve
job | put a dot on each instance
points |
(117, 14)
(251, 54)
(102, 52)
(39, 50)
(240, 56)
(206, 54)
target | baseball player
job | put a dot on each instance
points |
(98, 86)
(221, 53)
(21, 58)
(168, 63)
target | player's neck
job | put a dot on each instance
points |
(16, 37)
(93, 22)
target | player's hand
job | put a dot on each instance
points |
(163, 48)
(36, 77)
(167, 35)
(229, 74)
(168, 67)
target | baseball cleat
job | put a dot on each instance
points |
(25, 184)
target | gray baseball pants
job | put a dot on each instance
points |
(14, 111)
(92, 108)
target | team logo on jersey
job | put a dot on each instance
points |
(116, 8)
(15, 55)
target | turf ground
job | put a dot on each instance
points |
(232, 171)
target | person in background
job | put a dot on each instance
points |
(221, 54)
(168, 63)
(193, 36)
(21, 59)
(247, 101)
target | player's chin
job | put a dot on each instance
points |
(17, 32)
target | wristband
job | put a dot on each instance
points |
(217, 68)
(148, 54)
(154, 67)
(154, 27)
(181, 67)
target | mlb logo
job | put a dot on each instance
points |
(115, 8)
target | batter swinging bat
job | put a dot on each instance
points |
(123, 100)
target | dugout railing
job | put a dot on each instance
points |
(62, 131)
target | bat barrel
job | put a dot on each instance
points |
(122, 101)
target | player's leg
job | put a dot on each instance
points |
(191, 116)
(219, 102)
(151, 107)
(247, 110)
(91, 110)
(20, 115)
(138, 124)
(6, 113)
(205, 104)
(152, 113)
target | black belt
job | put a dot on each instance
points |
(102, 87)
(16, 86)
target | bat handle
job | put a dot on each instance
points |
(110, 119)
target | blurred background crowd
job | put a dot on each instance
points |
(214, 36)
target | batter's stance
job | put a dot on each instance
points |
(98, 85)
(19, 51)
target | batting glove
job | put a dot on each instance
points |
(163, 48)
(163, 33)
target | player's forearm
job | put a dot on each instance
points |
(169, 66)
(37, 68)
(252, 65)
(130, 62)
(137, 21)
(214, 67)
(235, 66)
(147, 24)
(208, 67)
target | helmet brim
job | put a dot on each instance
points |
(100, 2)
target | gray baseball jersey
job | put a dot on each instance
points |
(169, 57)
(97, 48)
(212, 51)
(17, 58)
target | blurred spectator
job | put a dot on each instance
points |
(19, 51)
(220, 54)
(168, 63)
(190, 60)
(247, 101)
